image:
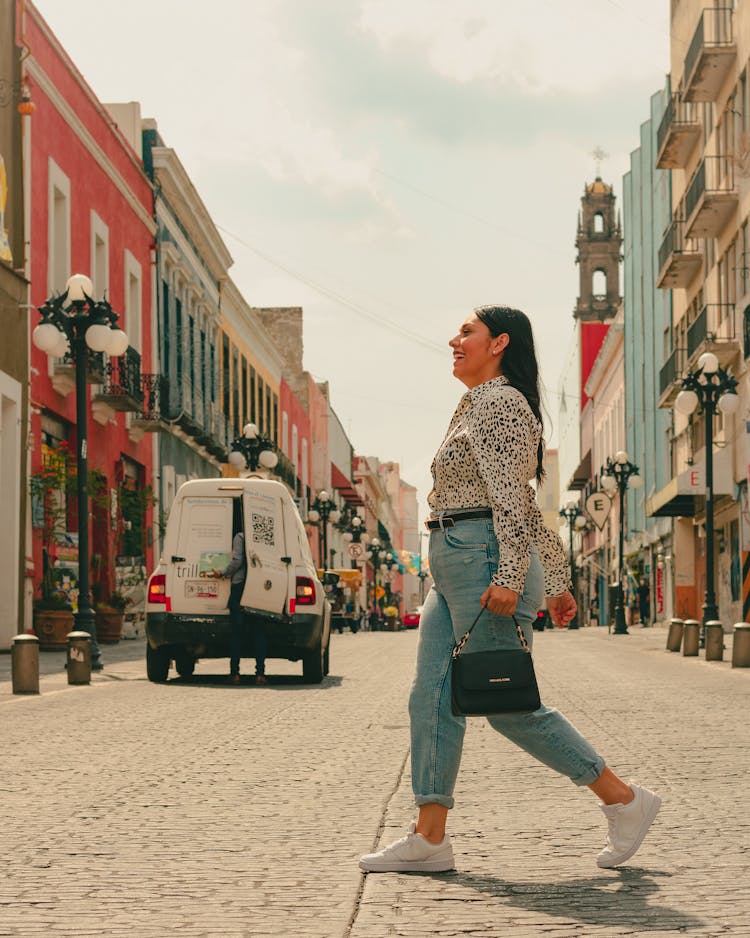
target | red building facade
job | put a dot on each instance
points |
(91, 212)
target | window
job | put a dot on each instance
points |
(244, 390)
(260, 403)
(253, 407)
(269, 428)
(295, 448)
(599, 283)
(204, 396)
(178, 341)
(58, 229)
(305, 480)
(285, 433)
(166, 331)
(99, 257)
(225, 374)
(236, 390)
(276, 419)
(133, 301)
(599, 223)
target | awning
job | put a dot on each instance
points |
(678, 497)
(345, 487)
(582, 476)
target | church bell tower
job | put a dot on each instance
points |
(599, 243)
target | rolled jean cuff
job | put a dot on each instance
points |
(591, 774)
(445, 800)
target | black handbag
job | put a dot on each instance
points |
(485, 683)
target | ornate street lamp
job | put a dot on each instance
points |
(373, 555)
(619, 473)
(72, 324)
(323, 510)
(390, 561)
(251, 450)
(576, 520)
(708, 387)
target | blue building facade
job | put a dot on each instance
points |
(647, 330)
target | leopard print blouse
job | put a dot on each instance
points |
(487, 458)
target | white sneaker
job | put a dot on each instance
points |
(410, 854)
(628, 825)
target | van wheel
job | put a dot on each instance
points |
(313, 666)
(185, 665)
(157, 664)
(327, 658)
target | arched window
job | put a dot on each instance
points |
(285, 433)
(599, 283)
(599, 223)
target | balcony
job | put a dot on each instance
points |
(285, 471)
(713, 331)
(710, 56)
(679, 258)
(670, 377)
(63, 371)
(711, 198)
(122, 388)
(679, 131)
(215, 433)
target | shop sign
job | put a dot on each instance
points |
(659, 590)
(598, 506)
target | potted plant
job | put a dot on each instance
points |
(110, 615)
(53, 619)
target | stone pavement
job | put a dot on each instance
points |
(206, 809)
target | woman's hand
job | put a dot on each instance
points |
(562, 609)
(499, 600)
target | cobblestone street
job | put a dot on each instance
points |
(205, 809)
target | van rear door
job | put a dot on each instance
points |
(267, 575)
(203, 544)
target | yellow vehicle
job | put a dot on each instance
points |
(342, 592)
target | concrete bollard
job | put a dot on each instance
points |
(674, 636)
(78, 660)
(24, 651)
(741, 645)
(691, 638)
(714, 640)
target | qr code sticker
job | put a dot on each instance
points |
(263, 531)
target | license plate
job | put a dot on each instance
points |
(201, 589)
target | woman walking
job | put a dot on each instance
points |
(489, 547)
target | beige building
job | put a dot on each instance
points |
(704, 139)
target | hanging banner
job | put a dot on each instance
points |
(598, 506)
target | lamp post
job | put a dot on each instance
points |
(321, 511)
(619, 473)
(575, 519)
(353, 534)
(74, 323)
(251, 450)
(373, 555)
(390, 561)
(708, 387)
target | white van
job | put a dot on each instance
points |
(186, 608)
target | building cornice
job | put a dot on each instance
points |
(190, 209)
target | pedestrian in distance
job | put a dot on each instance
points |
(489, 548)
(236, 570)
(644, 601)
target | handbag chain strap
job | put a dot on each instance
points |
(465, 637)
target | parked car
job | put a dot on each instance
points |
(411, 619)
(186, 607)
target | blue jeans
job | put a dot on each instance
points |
(462, 561)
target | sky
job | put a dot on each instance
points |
(388, 165)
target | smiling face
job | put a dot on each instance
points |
(476, 353)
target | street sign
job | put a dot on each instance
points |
(356, 550)
(598, 506)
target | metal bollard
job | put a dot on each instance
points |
(674, 636)
(741, 645)
(714, 640)
(78, 661)
(691, 638)
(24, 651)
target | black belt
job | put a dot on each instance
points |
(451, 517)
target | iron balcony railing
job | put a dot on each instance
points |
(714, 175)
(672, 369)
(713, 31)
(678, 113)
(122, 380)
(285, 471)
(96, 365)
(714, 323)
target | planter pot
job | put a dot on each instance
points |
(109, 626)
(391, 623)
(51, 627)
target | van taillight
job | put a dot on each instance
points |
(157, 589)
(305, 591)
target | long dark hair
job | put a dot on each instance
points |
(519, 364)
